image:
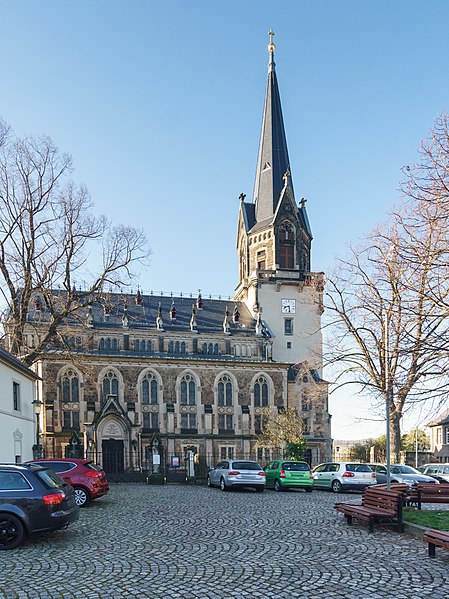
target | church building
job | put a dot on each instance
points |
(194, 374)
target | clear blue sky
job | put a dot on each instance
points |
(160, 104)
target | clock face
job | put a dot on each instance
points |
(288, 306)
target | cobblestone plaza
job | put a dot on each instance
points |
(194, 542)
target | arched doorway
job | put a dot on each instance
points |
(112, 442)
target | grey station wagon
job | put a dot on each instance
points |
(237, 473)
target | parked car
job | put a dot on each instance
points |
(343, 476)
(400, 473)
(439, 472)
(87, 478)
(288, 474)
(33, 499)
(237, 473)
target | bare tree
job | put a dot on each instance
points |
(388, 302)
(282, 431)
(48, 238)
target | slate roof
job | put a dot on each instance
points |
(7, 358)
(143, 316)
(441, 419)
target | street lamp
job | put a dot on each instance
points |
(37, 404)
(387, 400)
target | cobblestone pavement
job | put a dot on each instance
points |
(194, 542)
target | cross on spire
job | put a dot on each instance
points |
(271, 45)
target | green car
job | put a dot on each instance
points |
(288, 474)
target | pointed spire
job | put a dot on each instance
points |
(159, 321)
(193, 324)
(273, 161)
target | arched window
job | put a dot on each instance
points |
(210, 349)
(101, 344)
(249, 351)
(137, 345)
(287, 246)
(237, 350)
(183, 347)
(261, 392)
(114, 345)
(204, 348)
(149, 346)
(177, 347)
(108, 344)
(188, 390)
(110, 385)
(150, 389)
(216, 349)
(70, 387)
(225, 391)
(170, 347)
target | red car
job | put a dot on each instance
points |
(87, 478)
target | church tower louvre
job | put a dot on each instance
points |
(274, 245)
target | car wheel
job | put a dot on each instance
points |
(308, 489)
(277, 486)
(223, 486)
(336, 486)
(82, 497)
(209, 484)
(12, 532)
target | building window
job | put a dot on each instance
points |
(188, 391)
(225, 391)
(257, 424)
(439, 436)
(306, 426)
(150, 421)
(261, 260)
(288, 326)
(447, 436)
(70, 387)
(110, 385)
(188, 421)
(225, 422)
(263, 454)
(287, 246)
(71, 420)
(150, 389)
(16, 396)
(261, 392)
(227, 453)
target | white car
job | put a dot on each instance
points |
(439, 472)
(343, 476)
(237, 473)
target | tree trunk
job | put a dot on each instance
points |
(395, 437)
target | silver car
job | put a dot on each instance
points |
(400, 473)
(439, 472)
(237, 473)
(343, 476)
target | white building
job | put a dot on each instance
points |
(17, 416)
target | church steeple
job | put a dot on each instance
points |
(273, 161)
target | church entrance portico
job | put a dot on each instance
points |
(113, 445)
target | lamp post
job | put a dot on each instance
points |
(387, 400)
(37, 404)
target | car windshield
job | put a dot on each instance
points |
(405, 470)
(246, 466)
(358, 468)
(296, 466)
(50, 479)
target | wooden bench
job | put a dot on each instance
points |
(378, 505)
(436, 538)
(428, 493)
